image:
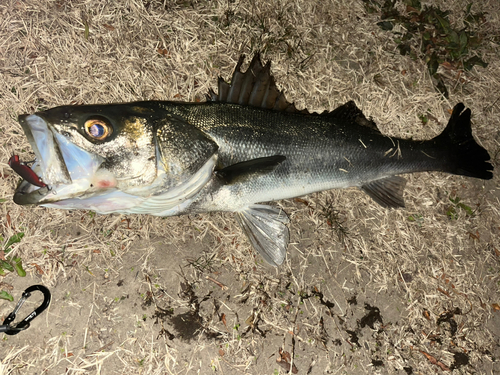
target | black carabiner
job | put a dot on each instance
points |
(25, 323)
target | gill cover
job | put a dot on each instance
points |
(182, 150)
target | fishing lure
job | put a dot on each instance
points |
(25, 172)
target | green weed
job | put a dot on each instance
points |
(428, 34)
(453, 210)
(11, 263)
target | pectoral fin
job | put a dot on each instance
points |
(265, 227)
(251, 168)
(388, 192)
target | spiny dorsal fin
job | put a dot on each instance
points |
(255, 87)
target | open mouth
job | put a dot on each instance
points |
(48, 169)
(32, 188)
(25, 194)
(61, 168)
(43, 173)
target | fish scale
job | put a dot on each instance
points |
(323, 153)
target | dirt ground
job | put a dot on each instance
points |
(363, 290)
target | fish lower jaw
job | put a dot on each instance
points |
(30, 194)
(78, 189)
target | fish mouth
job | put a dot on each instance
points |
(62, 166)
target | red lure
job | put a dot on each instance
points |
(25, 172)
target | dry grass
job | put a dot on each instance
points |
(131, 294)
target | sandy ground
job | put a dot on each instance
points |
(409, 291)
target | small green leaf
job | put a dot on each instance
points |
(463, 38)
(467, 10)
(464, 50)
(19, 267)
(451, 213)
(414, 4)
(14, 239)
(385, 25)
(474, 42)
(6, 265)
(370, 9)
(6, 296)
(424, 119)
(474, 60)
(404, 49)
(407, 36)
(445, 24)
(418, 219)
(466, 208)
(453, 54)
(453, 37)
(458, 204)
(433, 64)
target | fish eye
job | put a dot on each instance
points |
(98, 128)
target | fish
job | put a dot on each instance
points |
(244, 147)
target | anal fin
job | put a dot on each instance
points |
(388, 192)
(265, 227)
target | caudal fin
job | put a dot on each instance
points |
(466, 157)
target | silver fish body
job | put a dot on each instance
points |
(245, 146)
(335, 150)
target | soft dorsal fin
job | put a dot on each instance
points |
(255, 87)
(350, 112)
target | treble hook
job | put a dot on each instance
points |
(25, 323)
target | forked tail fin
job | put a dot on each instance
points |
(466, 157)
